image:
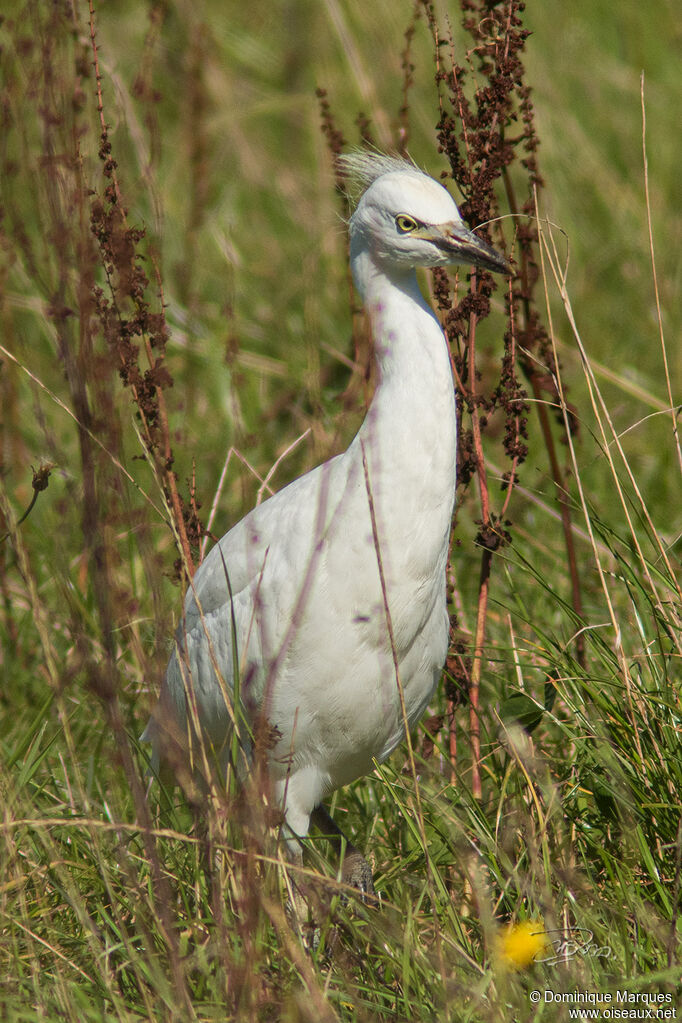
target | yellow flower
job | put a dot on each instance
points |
(516, 945)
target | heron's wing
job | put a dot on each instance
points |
(275, 540)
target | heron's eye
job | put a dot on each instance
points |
(405, 224)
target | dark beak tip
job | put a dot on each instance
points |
(498, 263)
(491, 259)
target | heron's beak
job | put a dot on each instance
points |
(465, 247)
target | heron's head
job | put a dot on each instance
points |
(405, 219)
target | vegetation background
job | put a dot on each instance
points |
(214, 125)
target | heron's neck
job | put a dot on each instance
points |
(411, 422)
(410, 349)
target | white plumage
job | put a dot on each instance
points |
(296, 583)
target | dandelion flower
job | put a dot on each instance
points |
(517, 945)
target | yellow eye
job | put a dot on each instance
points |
(405, 224)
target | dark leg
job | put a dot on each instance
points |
(355, 870)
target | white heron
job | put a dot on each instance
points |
(309, 604)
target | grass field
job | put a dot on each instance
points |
(179, 337)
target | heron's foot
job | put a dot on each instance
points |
(357, 872)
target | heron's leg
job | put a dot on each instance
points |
(355, 869)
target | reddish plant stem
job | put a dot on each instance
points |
(156, 439)
(517, 417)
(100, 102)
(486, 560)
(164, 464)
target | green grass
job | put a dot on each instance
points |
(110, 911)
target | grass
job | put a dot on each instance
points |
(109, 910)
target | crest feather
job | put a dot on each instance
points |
(362, 167)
